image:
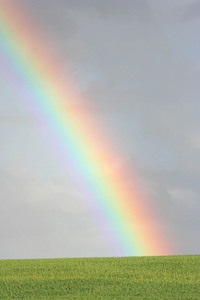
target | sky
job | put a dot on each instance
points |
(136, 64)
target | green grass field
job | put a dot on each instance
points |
(164, 277)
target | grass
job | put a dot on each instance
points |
(164, 277)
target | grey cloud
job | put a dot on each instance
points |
(105, 7)
(15, 119)
(175, 196)
(116, 8)
(191, 12)
(52, 15)
(44, 219)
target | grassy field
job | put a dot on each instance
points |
(167, 277)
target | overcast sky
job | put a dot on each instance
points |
(137, 65)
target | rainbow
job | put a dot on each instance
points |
(89, 154)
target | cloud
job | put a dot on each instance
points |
(109, 8)
(174, 195)
(192, 11)
(15, 119)
(44, 218)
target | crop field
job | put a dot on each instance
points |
(162, 277)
